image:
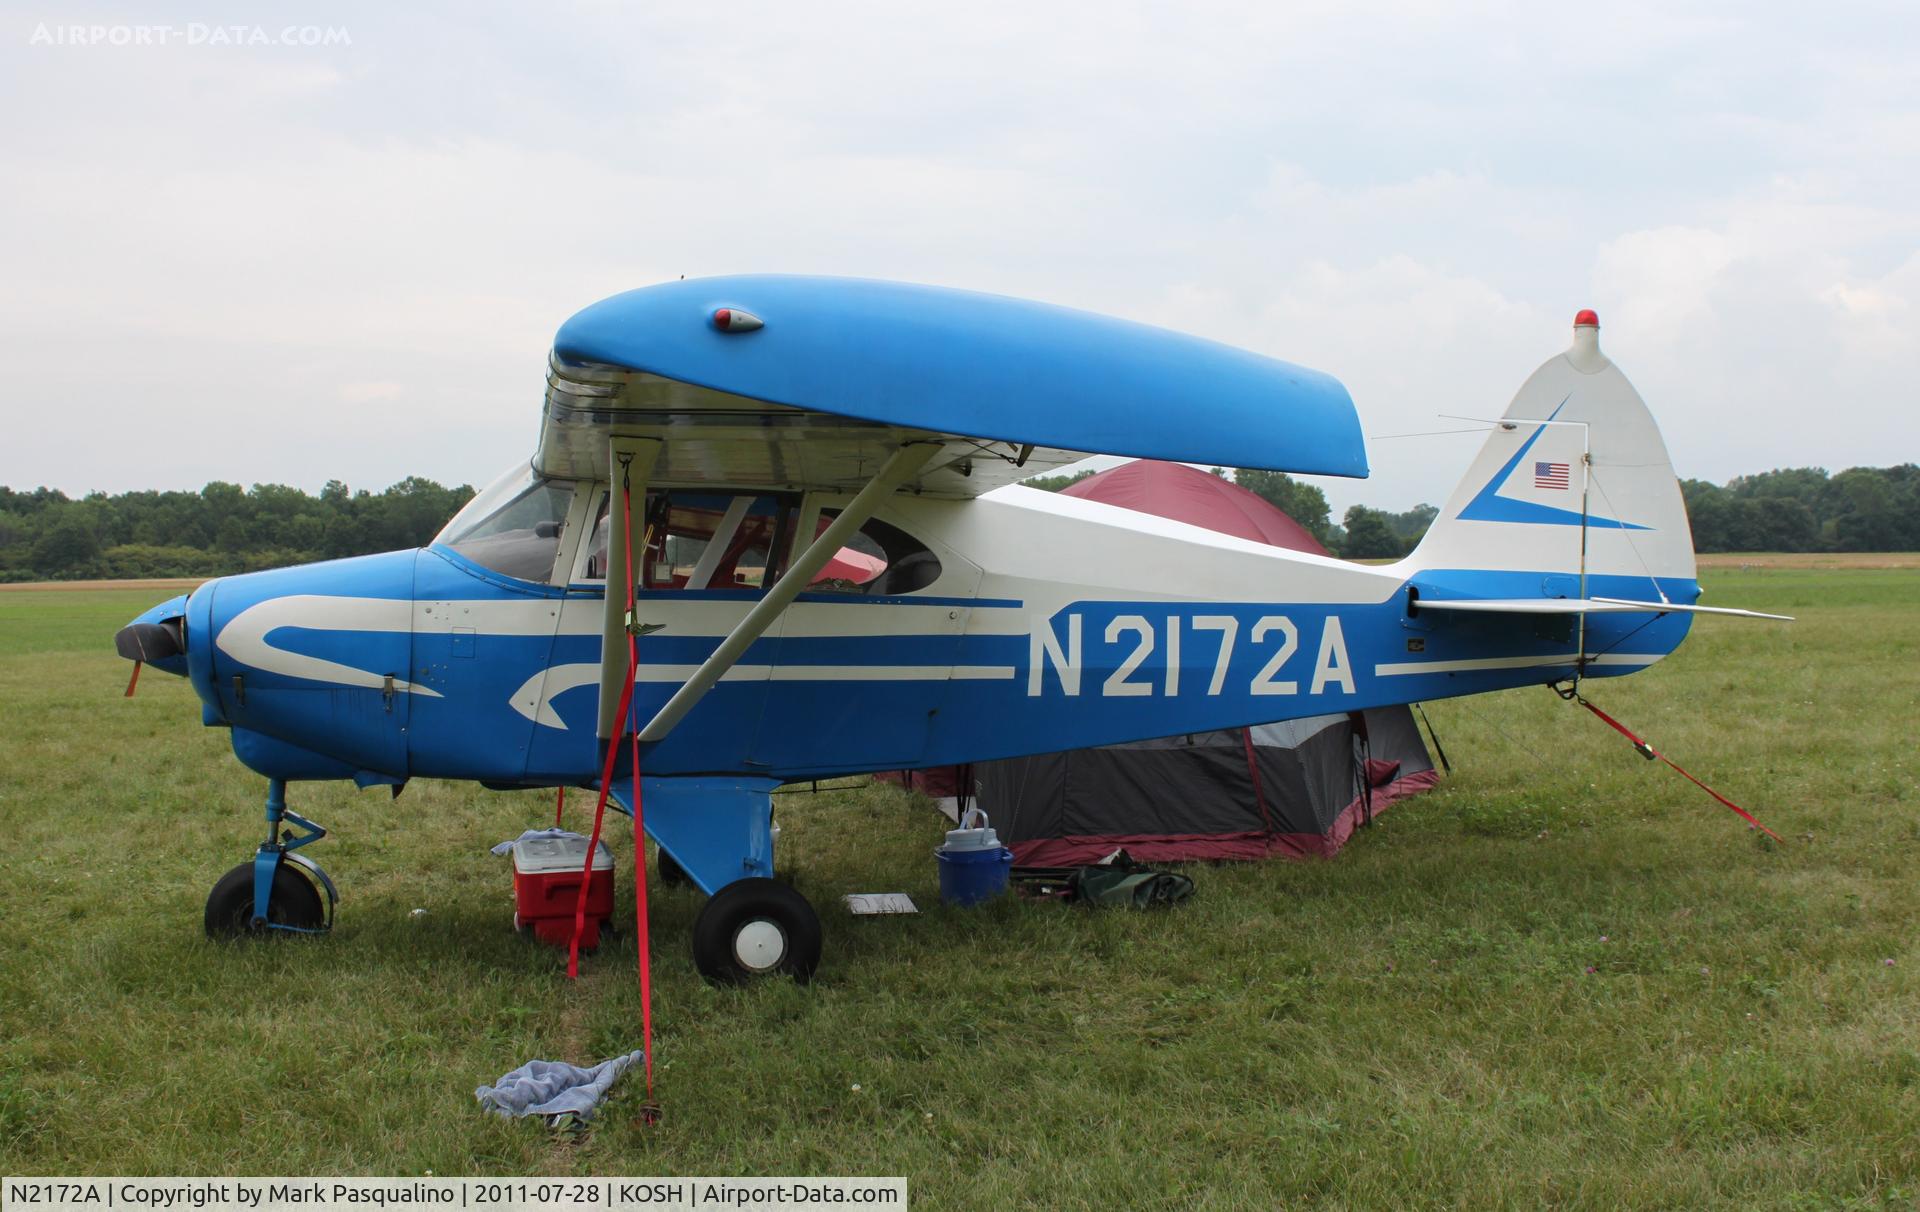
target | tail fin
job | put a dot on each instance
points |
(1577, 459)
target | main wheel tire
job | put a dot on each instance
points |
(294, 901)
(755, 928)
(672, 874)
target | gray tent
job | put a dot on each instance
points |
(1298, 787)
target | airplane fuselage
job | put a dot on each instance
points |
(1054, 623)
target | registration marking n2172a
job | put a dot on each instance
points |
(1058, 647)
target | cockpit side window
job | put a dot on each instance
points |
(880, 560)
(700, 540)
(514, 527)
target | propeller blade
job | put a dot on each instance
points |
(148, 641)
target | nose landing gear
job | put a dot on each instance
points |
(267, 896)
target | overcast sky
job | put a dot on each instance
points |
(285, 263)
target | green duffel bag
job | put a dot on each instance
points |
(1129, 887)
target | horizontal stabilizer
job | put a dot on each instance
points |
(1588, 606)
(1664, 607)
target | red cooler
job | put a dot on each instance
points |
(546, 887)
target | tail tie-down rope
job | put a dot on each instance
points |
(650, 1112)
(1648, 752)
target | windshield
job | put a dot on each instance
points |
(513, 527)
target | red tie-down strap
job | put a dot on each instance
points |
(649, 1113)
(1649, 752)
(593, 844)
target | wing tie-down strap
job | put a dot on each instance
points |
(1650, 753)
(650, 1113)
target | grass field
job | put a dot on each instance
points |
(1567, 978)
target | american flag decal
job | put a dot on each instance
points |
(1550, 475)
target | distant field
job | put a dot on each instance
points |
(1567, 978)
(1811, 559)
(178, 584)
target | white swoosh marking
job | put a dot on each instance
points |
(1405, 668)
(244, 638)
(534, 699)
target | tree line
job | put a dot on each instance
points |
(1805, 509)
(223, 528)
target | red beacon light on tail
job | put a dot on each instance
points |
(1585, 354)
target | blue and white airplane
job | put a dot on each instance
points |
(837, 572)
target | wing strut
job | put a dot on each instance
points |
(631, 462)
(897, 470)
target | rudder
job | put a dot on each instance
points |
(1577, 445)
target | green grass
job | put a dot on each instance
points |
(1410, 1025)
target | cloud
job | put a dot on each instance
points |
(366, 393)
(1773, 336)
(1878, 317)
(251, 245)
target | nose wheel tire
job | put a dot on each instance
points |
(756, 928)
(294, 901)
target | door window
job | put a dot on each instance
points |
(695, 540)
(879, 559)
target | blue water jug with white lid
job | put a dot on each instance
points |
(974, 866)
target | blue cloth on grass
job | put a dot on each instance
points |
(554, 1087)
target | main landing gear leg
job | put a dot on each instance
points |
(718, 832)
(267, 896)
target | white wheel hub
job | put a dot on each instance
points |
(760, 945)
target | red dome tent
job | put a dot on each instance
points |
(1299, 787)
(1198, 498)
